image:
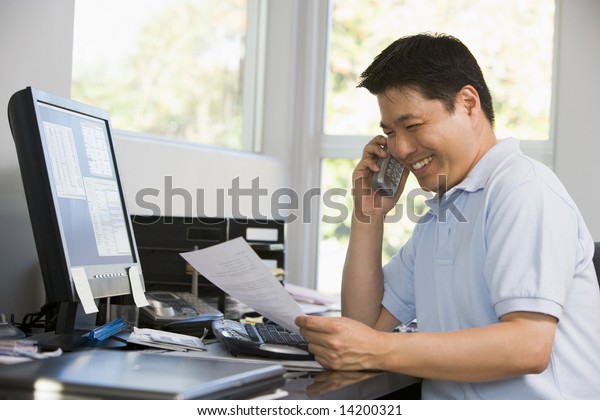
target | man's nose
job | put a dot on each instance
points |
(402, 146)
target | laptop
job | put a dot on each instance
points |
(129, 375)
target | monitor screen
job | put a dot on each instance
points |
(74, 196)
(84, 181)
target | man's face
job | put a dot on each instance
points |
(438, 147)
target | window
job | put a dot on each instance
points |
(175, 69)
(335, 223)
(513, 41)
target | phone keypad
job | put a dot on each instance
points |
(394, 171)
(387, 180)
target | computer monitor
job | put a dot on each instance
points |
(82, 230)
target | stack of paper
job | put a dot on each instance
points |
(18, 347)
(166, 340)
(16, 351)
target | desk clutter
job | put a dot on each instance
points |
(129, 375)
(258, 350)
(204, 369)
(161, 239)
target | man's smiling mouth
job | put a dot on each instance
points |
(422, 163)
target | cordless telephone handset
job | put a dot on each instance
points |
(387, 180)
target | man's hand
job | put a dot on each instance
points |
(366, 202)
(340, 343)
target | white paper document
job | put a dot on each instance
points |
(136, 287)
(165, 340)
(82, 285)
(235, 268)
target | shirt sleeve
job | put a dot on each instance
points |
(531, 249)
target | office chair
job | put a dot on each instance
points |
(596, 260)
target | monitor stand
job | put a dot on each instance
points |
(71, 326)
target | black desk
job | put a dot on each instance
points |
(304, 382)
(311, 384)
(336, 385)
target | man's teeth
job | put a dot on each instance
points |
(422, 163)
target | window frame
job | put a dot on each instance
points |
(313, 59)
(253, 87)
(348, 146)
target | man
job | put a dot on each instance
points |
(499, 272)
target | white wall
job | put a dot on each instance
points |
(577, 107)
(35, 49)
(170, 176)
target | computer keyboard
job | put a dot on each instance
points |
(263, 339)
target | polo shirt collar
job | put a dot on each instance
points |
(479, 175)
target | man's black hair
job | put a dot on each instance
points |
(438, 66)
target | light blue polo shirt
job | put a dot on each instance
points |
(508, 238)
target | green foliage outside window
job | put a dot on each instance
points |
(181, 77)
(512, 40)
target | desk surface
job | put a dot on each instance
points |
(322, 384)
(310, 383)
(335, 385)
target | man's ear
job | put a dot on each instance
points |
(468, 98)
